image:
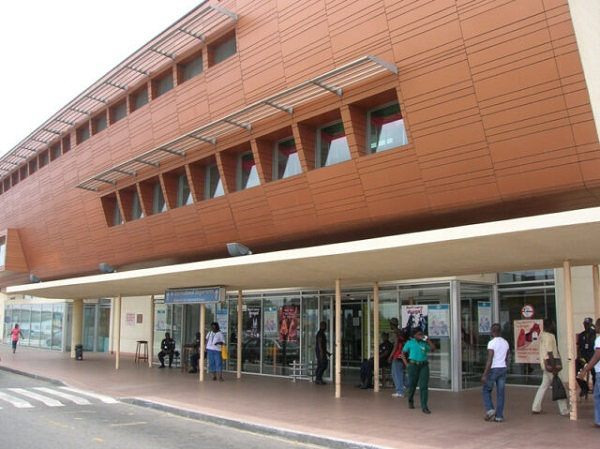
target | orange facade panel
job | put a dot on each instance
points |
(491, 96)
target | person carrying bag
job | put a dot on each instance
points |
(550, 367)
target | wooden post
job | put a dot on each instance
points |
(596, 291)
(118, 331)
(151, 338)
(376, 360)
(202, 341)
(570, 339)
(338, 338)
(239, 335)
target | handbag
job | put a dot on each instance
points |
(224, 352)
(558, 389)
(550, 364)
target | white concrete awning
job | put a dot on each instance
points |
(538, 242)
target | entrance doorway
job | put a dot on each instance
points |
(352, 333)
(96, 327)
(476, 318)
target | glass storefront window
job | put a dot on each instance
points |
(421, 306)
(515, 290)
(42, 325)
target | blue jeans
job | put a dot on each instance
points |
(597, 400)
(495, 376)
(398, 375)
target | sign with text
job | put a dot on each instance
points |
(194, 295)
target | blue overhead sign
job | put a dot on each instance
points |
(194, 295)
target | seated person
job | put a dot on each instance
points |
(195, 356)
(167, 347)
(367, 366)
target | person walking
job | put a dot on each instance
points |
(322, 354)
(495, 374)
(548, 350)
(585, 351)
(397, 360)
(214, 344)
(15, 334)
(594, 364)
(416, 350)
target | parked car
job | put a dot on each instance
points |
(272, 349)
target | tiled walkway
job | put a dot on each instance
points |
(360, 416)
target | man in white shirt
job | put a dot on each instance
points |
(594, 363)
(495, 374)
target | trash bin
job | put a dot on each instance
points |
(78, 352)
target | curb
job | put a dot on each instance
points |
(33, 376)
(330, 443)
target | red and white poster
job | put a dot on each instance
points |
(288, 323)
(527, 334)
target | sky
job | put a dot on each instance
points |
(52, 50)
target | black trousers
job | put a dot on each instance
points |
(321, 368)
(161, 357)
(582, 383)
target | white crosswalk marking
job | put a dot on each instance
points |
(50, 397)
(61, 394)
(17, 402)
(50, 402)
(105, 399)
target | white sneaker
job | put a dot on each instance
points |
(397, 395)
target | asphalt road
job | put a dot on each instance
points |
(37, 414)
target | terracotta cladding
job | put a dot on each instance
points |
(495, 105)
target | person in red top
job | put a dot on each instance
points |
(397, 359)
(16, 332)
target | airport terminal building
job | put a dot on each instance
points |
(349, 162)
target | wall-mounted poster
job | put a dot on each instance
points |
(414, 317)
(270, 319)
(288, 323)
(223, 320)
(160, 318)
(527, 334)
(484, 312)
(438, 317)
(253, 322)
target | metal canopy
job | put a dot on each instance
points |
(333, 81)
(150, 59)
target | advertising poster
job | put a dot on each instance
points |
(288, 323)
(130, 319)
(527, 333)
(270, 322)
(160, 319)
(484, 312)
(253, 322)
(439, 319)
(223, 320)
(414, 317)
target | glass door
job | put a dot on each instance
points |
(476, 318)
(96, 327)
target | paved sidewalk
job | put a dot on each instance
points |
(310, 413)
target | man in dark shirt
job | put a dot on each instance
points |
(195, 357)
(322, 354)
(367, 366)
(585, 351)
(167, 347)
